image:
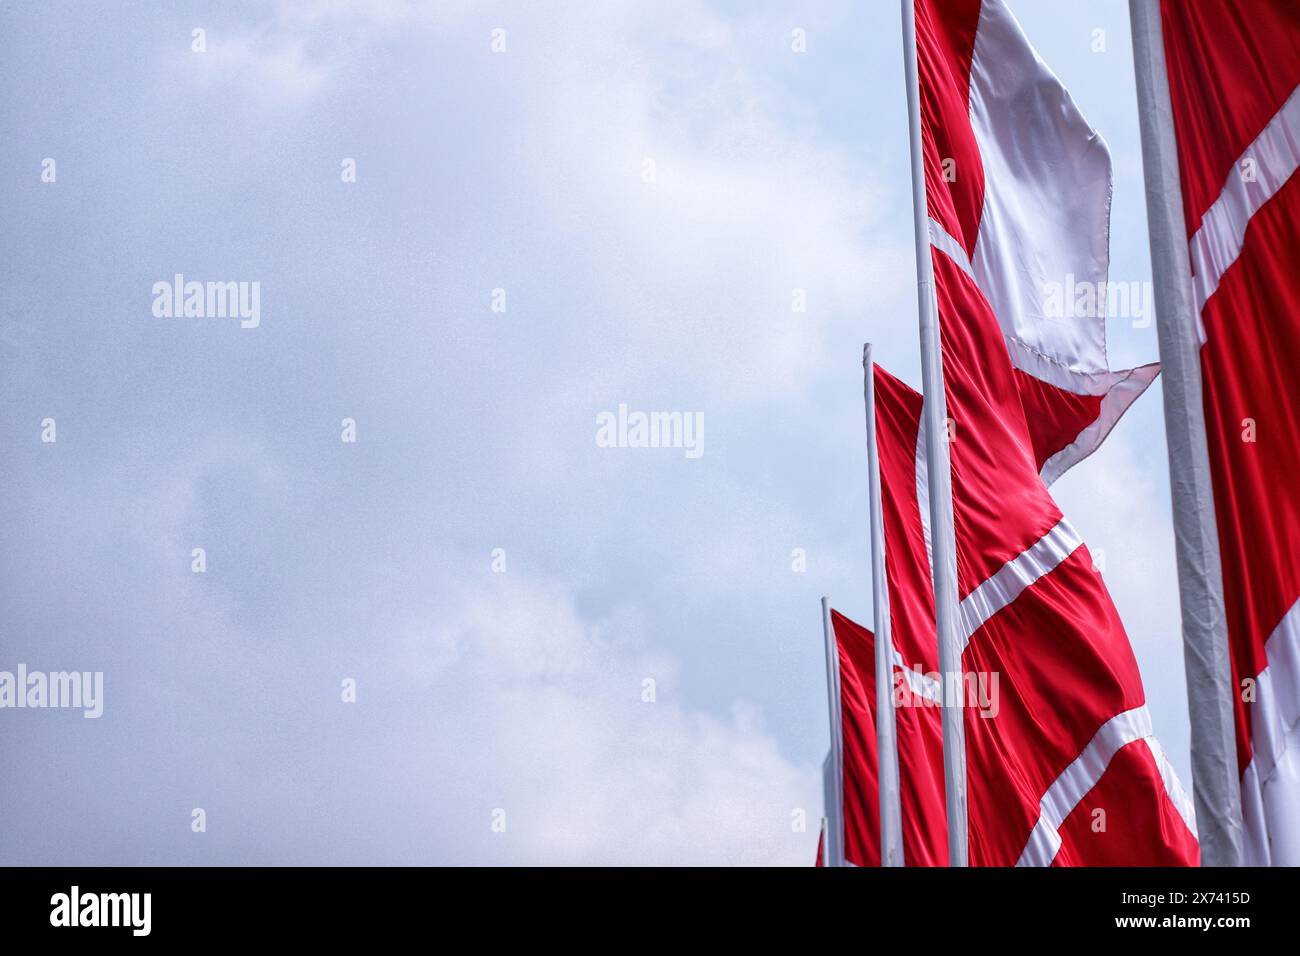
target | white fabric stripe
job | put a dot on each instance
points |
(1120, 388)
(1044, 223)
(1118, 397)
(995, 593)
(1077, 779)
(1278, 705)
(1270, 786)
(943, 240)
(923, 495)
(1047, 369)
(1046, 554)
(1217, 243)
(1173, 786)
(918, 682)
(1010, 581)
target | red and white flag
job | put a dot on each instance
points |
(1150, 826)
(1019, 193)
(916, 693)
(1233, 76)
(919, 755)
(1062, 765)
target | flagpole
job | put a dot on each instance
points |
(825, 849)
(1216, 785)
(835, 783)
(943, 553)
(891, 813)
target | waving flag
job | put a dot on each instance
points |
(1219, 83)
(1134, 779)
(920, 759)
(1062, 764)
(1019, 191)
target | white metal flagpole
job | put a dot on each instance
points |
(835, 776)
(943, 553)
(891, 813)
(1215, 784)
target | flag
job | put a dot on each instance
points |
(920, 756)
(916, 693)
(1019, 193)
(916, 697)
(1233, 75)
(1062, 763)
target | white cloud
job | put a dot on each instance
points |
(590, 773)
(269, 67)
(475, 691)
(291, 55)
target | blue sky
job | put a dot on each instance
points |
(522, 170)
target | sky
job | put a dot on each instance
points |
(560, 652)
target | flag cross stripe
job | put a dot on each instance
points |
(1274, 156)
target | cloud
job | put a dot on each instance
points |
(291, 55)
(266, 65)
(592, 773)
(476, 691)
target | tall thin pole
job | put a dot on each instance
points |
(1215, 784)
(835, 782)
(891, 812)
(943, 552)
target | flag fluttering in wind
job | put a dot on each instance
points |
(1022, 730)
(919, 757)
(1219, 98)
(1018, 195)
(1061, 762)
(1149, 823)
(1128, 779)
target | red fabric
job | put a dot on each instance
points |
(918, 733)
(1055, 417)
(945, 45)
(1249, 365)
(1064, 668)
(911, 598)
(920, 768)
(945, 48)
(1231, 65)
(1000, 505)
(858, 716)
(1008, 761)
(1015, 755)
(1111, 825)
(911, 606)
(1059, 651)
